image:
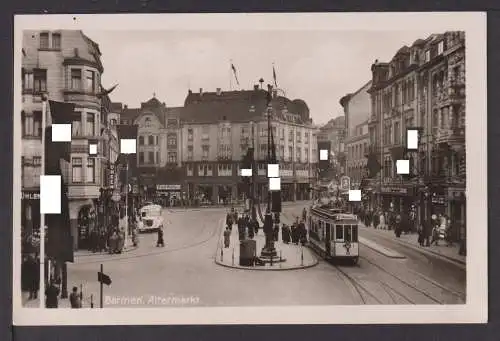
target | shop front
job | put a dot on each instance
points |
(169, 195)
(457, 211)
(30, 217)
(397, 198)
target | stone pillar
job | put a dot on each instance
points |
(215, 194)
(294, 191)
(234, 192)
(74, 232)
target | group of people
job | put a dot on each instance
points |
(247, 227)
(53, 291)
(399, 222)
(439, 228)
(297, 233)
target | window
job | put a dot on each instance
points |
(307, 138)
(90, 81)
(190, 153)
(290, 153)
(40, 80)
(339, 232)
(397, 133)
(189, 169)
(44, 40)
(147, 122)
(298, 137)
(172, 157)
(90, 176)
(190, 134)
(157, 157)
(282, 152)
(172, 140)
(76, 164)
(56, 41)
(141, 158)
(298, 155)
(427, 55)
(440, 47)
(27, 80)
(306, 155)
(37, 124)
(90, 124)
(37, 161)
(205, 152)
(77, 123)
(151, 157)
(141, 140)
(151, 140)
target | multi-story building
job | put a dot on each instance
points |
(66, 66)
(217, 129)
(422, 86)
(357, 110)
(157, 162)
(332, 134)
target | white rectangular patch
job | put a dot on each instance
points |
(246, 172)
(128, 146)
(50, 194)
(403, 166)
(61, 133)
(412, 139)
(92, 149)
(274, 184)
(354, 195)
(273, 170)
(323, 155)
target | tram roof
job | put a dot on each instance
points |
(334, 213)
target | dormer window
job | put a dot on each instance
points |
(147, 122)
(427, 55)
(440, 47)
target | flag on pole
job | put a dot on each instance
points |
(373, 165)
(60, 113)
(235, 75)
(274, 77)
(105, 92)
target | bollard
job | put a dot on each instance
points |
(221, 254)
(281, 259)
(272, 260)
(302, 256)
(91, 301)
(81, 292)
(233, 255)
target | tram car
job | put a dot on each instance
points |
(333, 233)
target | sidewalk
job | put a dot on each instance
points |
(448, 252)
(63, 302)
(297, 257)
(87, 253)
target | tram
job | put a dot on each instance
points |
(333, 233)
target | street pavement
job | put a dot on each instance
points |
(184, 272)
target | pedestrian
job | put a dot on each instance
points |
(75, 299)
(304, 214)
(276, 232)
(283, 234)
(241, 228)
(51, 294)
(256, 226)
(420, 235)
(227, 237)
(376, 219)
(302, 233)
(382, 221)
(33, 276)
(397, 225)
(160, 241)
(229, 220)
(249, 228)
(294, 233)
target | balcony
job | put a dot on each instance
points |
(451, 136)
(456, 91)
(81, 95)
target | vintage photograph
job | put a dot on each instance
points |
(182, 167)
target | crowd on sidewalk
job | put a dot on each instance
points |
(438, 229)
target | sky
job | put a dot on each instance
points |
(318, 67)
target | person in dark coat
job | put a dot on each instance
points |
(51, 294)
(160, 241)
(420, 236)
(376, 219)
(302, 233)
(241, 228)
(229, 220)
(33, 276)
(256, 226)
(294, 234)
(276, 232)
(227, 236)
(75, 299)
(249, 227)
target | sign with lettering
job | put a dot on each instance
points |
(345, 183)
(30, 196)
(395, 190)
(168, 187)
(112, 175)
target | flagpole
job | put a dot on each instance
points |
(42, 216)
(230, 75)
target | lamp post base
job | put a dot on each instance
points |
(268, 252)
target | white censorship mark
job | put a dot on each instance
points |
(273, 170)
(403, 166)
(412, 139)
(127, 146)
(61, 133)
(354, 195)
(50, 194)
(274, 184)
(92, 149)
(246, 172)
(323, 155)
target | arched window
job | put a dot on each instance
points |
(147, 121)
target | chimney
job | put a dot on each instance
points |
(219, 91)
(275, 93)
(190, 91)
(201, 91)
(256, 87)
(125, 106)
(75, 50)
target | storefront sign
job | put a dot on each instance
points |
(394, 190)
(456, 194)
(168, 187)
(30, 195)
(112, 175)
(438, 199)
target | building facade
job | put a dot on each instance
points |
(217, 129)
(357, 110)
(423, 86)
(157, 173)
(65, 65)
(333, 134)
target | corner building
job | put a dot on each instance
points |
(66, 66)
(217, 129)
(422, 86)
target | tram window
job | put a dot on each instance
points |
(339, 232)
(354, 233)
(347, 233)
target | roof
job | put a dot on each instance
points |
(174, 112)
(116, 106)
(237, 106)
(153, 105)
